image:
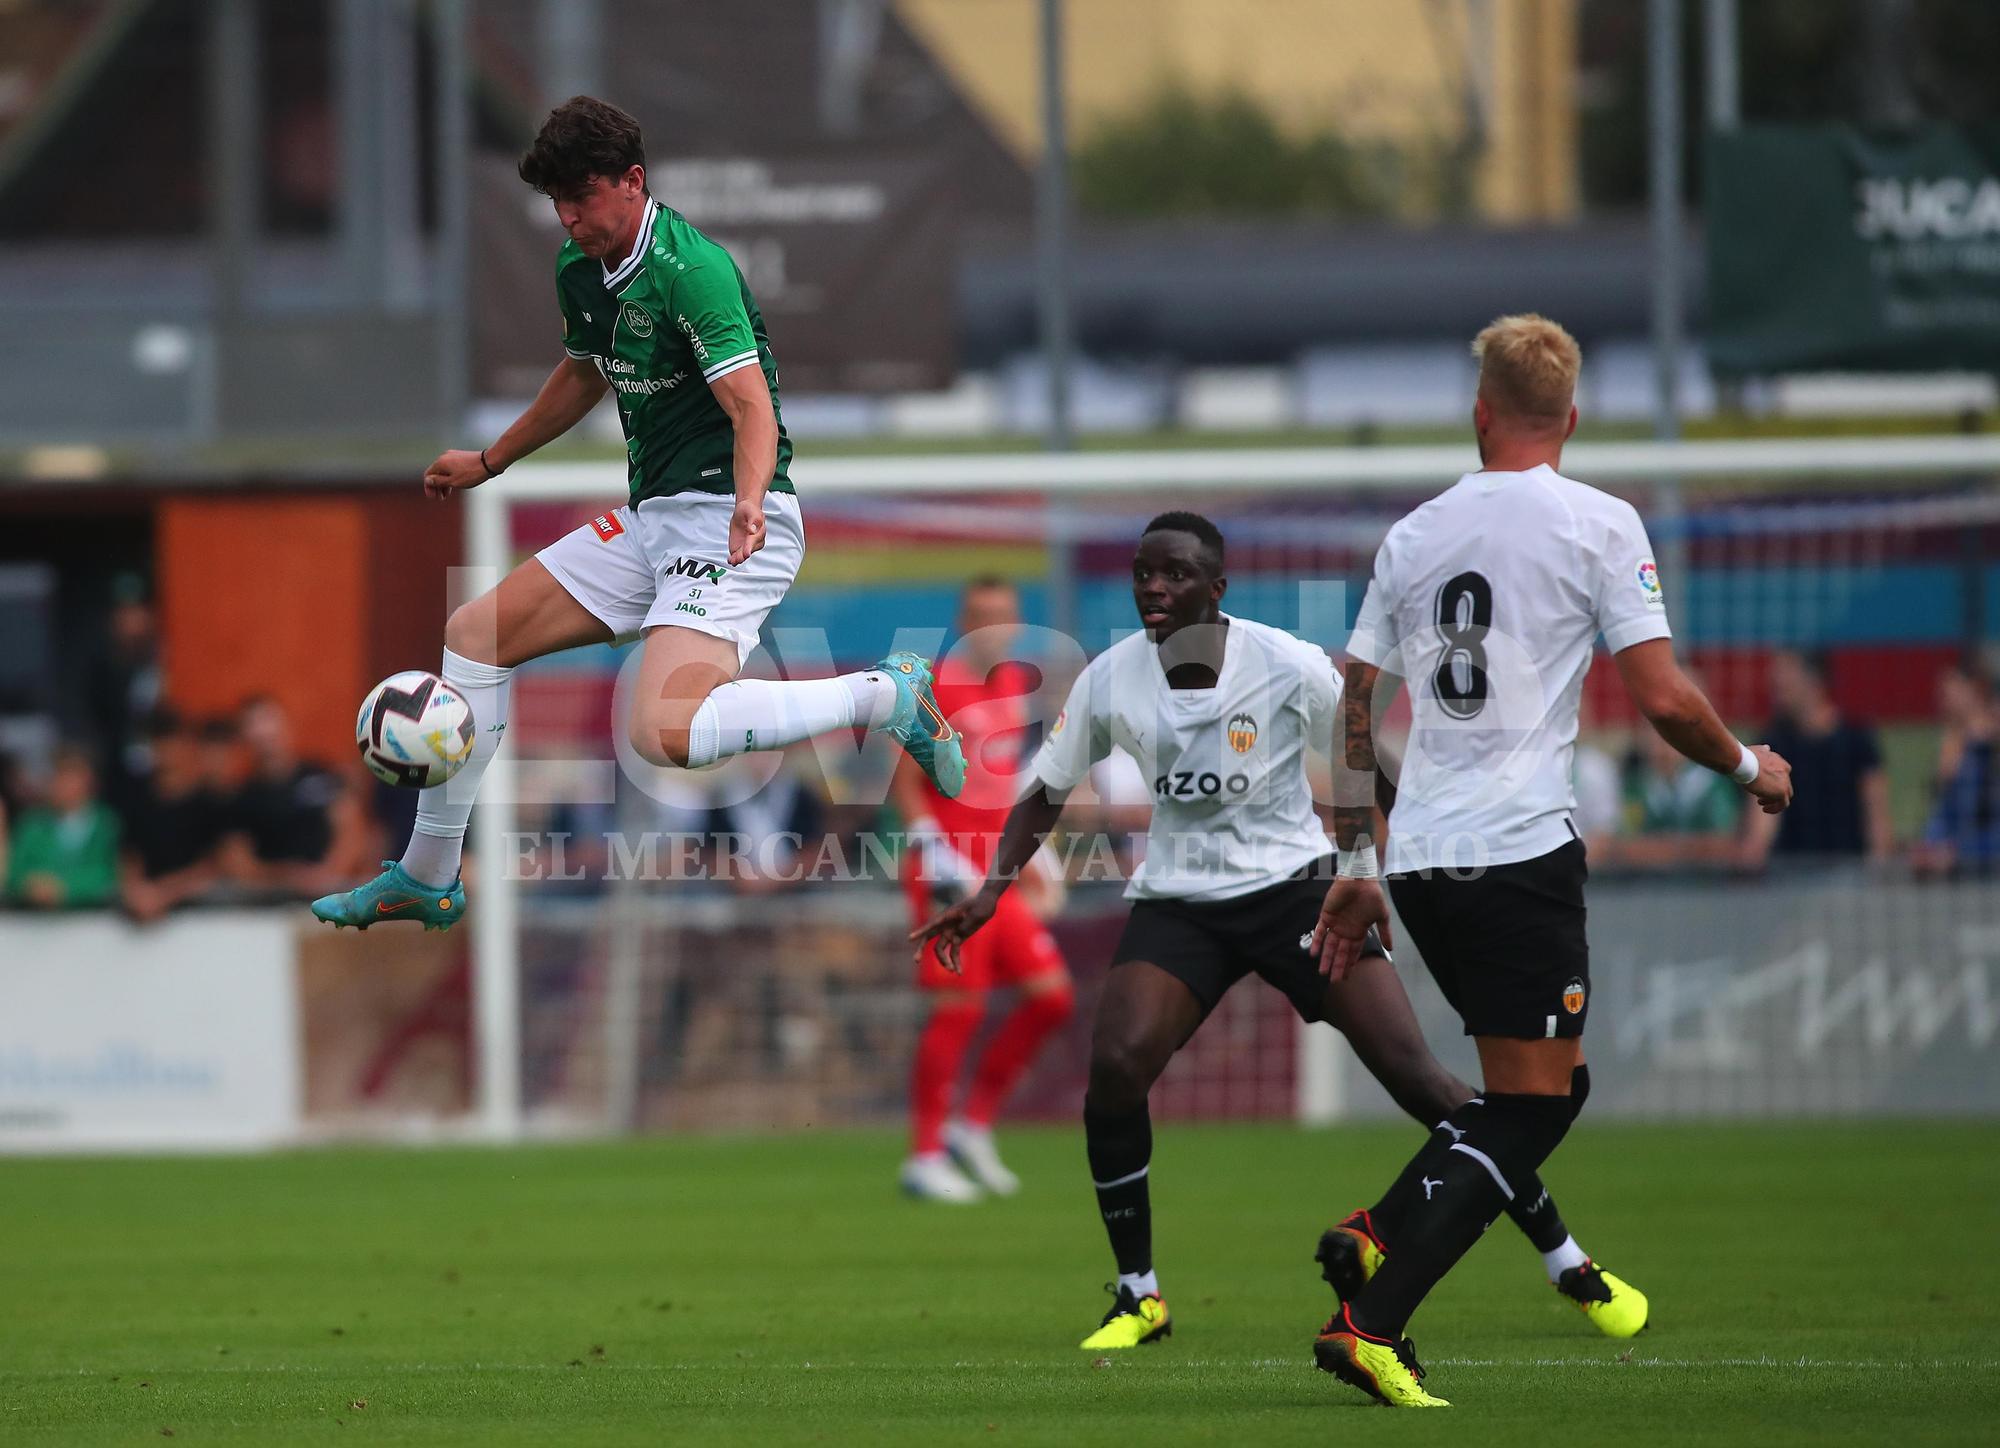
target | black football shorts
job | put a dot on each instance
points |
(1209, 945)
(1507, 946)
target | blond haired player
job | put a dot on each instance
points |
(1489, 600)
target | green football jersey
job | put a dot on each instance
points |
(661, 326)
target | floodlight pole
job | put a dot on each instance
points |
(1663, 83)
(1052, 231)
(450, 311)
(1669, 234)
(570, 34)
(234, 138)
(1725, 67)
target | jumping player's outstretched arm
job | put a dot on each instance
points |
(571, 391)
(746, 397)
(1028, 824)
(1675, 705)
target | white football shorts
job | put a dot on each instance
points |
(667, 564)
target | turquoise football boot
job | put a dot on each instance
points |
(921, 726)
(393, 895)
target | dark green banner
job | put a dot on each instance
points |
(1830, 249)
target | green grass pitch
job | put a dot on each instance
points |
(1811, 1284)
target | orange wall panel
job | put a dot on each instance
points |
(268, 595)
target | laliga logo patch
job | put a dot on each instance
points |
(1573, 995)
(637, 320)
(1649, 581)
(1061, 719)
(1242, 733)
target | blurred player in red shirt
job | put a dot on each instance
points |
(950, 843)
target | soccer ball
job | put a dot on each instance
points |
(415, 730)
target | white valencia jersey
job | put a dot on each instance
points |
(1232, 803)
(1488, 600)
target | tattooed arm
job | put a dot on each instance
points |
(1354, 787)
(1355, 904)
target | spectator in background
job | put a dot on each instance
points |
(297, 827)
(768, 822)
(173, 826)
(1678, 815)
(1963, 831)
(65, 851)
(1842, 804)
(561, 829)
(123, 688)
(1594, 780)
(215, 745)
(13, 796)
(745, 827)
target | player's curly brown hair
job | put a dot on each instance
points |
(583, 137)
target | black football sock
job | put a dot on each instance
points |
(1389, 1214)
(1579, 1090)
(1120, 1145)
(1533, 1209)
(1502, 1139)
(1534, 1212)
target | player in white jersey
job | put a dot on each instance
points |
(1219, 712)
(1489, 599)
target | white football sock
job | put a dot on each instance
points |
(1563, 1258)
(746, 715)
(874, 695)
(1143, 1284)
(438, 841)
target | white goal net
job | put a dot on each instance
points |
(619, 985)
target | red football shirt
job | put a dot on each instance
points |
(992, 715)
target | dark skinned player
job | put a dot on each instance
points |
(1218, 711)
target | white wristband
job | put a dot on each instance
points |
(1747, 768)
(1359, 864)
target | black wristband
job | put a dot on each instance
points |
(491, 471)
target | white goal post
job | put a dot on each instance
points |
(1222, 472)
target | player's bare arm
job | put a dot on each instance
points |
(1355, 789)
(746, 397)
(566, 398)
(1675, 705)
(1028, 824)
(1355, 902)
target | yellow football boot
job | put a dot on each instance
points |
(1132, 1322)
(1615, 1307)
(1349, 1254)
(1387, 1372)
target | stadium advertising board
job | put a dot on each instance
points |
(1820, 992)
(116, 1037)
(1831, 249)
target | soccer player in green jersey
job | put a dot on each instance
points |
(702, 551)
